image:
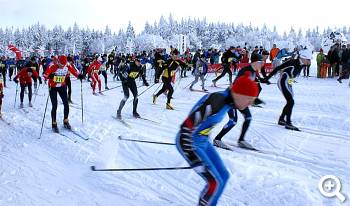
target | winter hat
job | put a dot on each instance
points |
(255, 57)
(245, 86)
(62, 59)
(305, 54)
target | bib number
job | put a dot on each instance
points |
(133, 74)
(58, 79)
(290, 81)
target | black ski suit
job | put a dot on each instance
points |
(127, 75)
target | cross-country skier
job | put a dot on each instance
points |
(93, 71)
(35, 66)
(193, 143)
(56, 74)
(104, 68)
(170, 67)
(200, 71)
(127, 75)
(252, 70)
(25, 79)
(226, 60)
(289, 70)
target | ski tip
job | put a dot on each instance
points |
(93, 168)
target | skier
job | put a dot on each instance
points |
(3, 69)
(56, 74)
(192, 141)
(35, 66)
(93, 70)
(226, 60)
(127, 75)
(110, 62)
(200, 71)
(104, 68)
(290, 70)
(170, 67)
(1, 93)
(252, 69)
(25, 79)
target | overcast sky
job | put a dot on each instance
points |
(99, 13)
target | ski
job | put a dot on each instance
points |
(146, 119)
(144, 141)
(67, 136)
(198, 90)
(83, 137)
(122, 122)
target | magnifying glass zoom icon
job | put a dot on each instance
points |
(330, 186)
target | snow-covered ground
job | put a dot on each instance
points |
(56, 171)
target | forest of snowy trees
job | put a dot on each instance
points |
(161, 34)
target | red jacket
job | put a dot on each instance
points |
(60, 74)
(24, 77)
(94, 67)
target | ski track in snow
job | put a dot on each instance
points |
(55, 171)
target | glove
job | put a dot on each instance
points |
(51, 76)
(1, 95)
(15, 80)
(40, 82)
(146, 84)
(81, 77)
(99, 72)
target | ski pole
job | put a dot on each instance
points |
(144, 141)
(42, 123)
(111, 88)
(93, 168)
(14, 106)
(157, 88)
(36, 92)
(82, 102)
(147, 89)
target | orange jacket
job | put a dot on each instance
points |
(273, 53)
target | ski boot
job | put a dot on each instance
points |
(54, 127)
(21, 105)
(136, 115)
(214, 83)
(119, 115)
(204, 89)
(30, 104)
(219, 143)
(291, 127)
(106, 88)
(245, 145)
(169, 106)
(66, 124)
(154, 99)
(281, 122)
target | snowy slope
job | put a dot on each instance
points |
(55, 171)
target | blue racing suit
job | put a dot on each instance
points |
(193, 143)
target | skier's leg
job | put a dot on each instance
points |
(30, 92)
(21, 94)
(232, 114)
(62, 91)
(133, 89)
(53, 98)
(126, 96)
(247, 119)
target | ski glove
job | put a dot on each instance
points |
(81, 77)
(15, 80)
(51, 76)
(146, 84)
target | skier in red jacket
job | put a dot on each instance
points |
(25, 79)
(93, 71)
(56, 74)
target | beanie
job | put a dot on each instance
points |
(245, 86)
(62, 59)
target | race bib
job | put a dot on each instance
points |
(58, 79)
(172, 73)
(133, 74)
(200, 69)
(290, 81)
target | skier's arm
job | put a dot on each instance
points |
(73, 70)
